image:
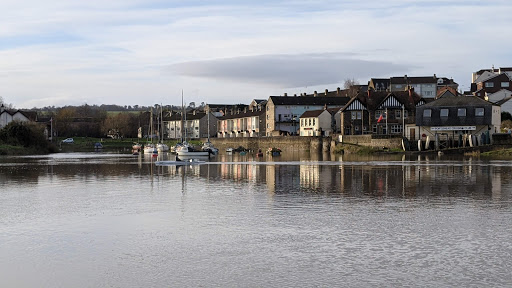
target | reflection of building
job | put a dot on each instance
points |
(320, 177)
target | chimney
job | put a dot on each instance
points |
(369, 93)
(315, 94)
(2, 108)
(295, 95)
(326, 91)
(285, 94)
(435, 77)
(338, 90)
(411, 91)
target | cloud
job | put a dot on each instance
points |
(132, 51)
(287, 70)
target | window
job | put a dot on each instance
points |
(380, 112)
(396, 129)
(427, 113)
(489, 84)
(309, 122)
(268, 117)
(374, 128)
(301, 122)
(398, 114)
(479, 112)
(461, 112)
(356, 115)
(314, 122)
(444, 113)
(505, 84)
(429, 93)
(406, 113)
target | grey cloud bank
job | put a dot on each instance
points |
(288, 70)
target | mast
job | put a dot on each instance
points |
(208, 119)
(162, 123)
(182, 117)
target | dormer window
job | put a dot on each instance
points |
(479, 112)
(461, 112)
(427, 113)
(444, 113)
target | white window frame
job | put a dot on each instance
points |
(459, 112)
(427, 113)
(442, 110)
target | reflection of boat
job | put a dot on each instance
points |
(259, 154)
(182, 162)
(229, 150)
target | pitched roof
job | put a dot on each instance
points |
(413, 80)
(313, 113)
(242, 114)
(373, 99)
(307, 100)
(460, 101)
(443, 91)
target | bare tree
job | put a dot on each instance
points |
(351, 87)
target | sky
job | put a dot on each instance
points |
(146, 52)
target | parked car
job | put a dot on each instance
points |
(68, 140)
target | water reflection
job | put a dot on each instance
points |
(351, 176)
(80, 220)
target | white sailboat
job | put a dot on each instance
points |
(208, 146)
(150, 148)
(161, 146)
(185, 149)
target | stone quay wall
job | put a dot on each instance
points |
(298, 143)
(285, 143)
(368, 140)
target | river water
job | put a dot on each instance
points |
(117, 220)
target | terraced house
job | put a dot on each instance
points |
(283, 112)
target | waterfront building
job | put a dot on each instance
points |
(195, 125)
(453, 114)
(381, 113)
(283, 112)
(319, 122)
(246, 123)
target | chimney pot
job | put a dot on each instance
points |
(326, 91)
(315, 94)
(285, 94)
